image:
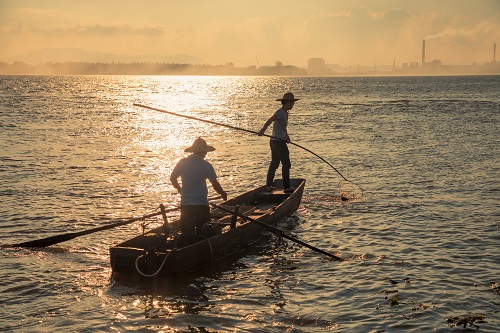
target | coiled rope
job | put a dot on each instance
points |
(165, 260)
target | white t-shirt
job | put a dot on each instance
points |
(194, 172)
(280, 124)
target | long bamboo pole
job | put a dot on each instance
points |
(239, 129)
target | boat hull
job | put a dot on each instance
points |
(158, 258)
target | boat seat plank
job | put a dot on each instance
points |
(272, 197)
(226, 220)
(217, 213)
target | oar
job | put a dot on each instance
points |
(65, 237)
(239, 129)
(277, 231)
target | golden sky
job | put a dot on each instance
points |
(258, 32)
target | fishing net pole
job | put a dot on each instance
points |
(348, 190)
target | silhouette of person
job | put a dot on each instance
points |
(278, 143)
(194, 170)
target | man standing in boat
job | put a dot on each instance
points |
(194, 171)
(278, 143)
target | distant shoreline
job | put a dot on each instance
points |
(97, 68)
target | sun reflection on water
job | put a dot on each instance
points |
(78, 154)
(161, 138)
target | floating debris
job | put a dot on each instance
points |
(422, 306)
(389, 291)
(465, 320)
(394, 300)
(407, 280)
(495, 286)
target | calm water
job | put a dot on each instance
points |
(75, 153)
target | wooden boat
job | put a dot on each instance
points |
(159, 251)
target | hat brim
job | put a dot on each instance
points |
(198, 150)
(282, 99)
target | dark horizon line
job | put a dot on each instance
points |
(231, 63)
(159, 68)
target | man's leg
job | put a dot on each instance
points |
(273, 166)
(284, 156)
(202, 216)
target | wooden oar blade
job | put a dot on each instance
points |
(278, 232)
(47, 241)
(44, 242)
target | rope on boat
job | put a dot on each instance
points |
(155, 273)
(210, 245)
(165, 260)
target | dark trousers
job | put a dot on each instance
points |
(193, 217)
(279, 154)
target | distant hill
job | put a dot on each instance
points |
(77, 55)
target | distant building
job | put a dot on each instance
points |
(332, 68)
(432, 66)
(316, 66)
(410, 66)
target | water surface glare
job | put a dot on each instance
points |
(422, 245)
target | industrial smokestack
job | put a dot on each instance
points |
(494, 52)
(423, 53)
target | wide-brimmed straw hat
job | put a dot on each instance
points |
(288, 97)
(199, 146)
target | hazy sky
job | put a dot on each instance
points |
(259, 32)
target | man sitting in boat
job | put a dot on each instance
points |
(194, 171)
